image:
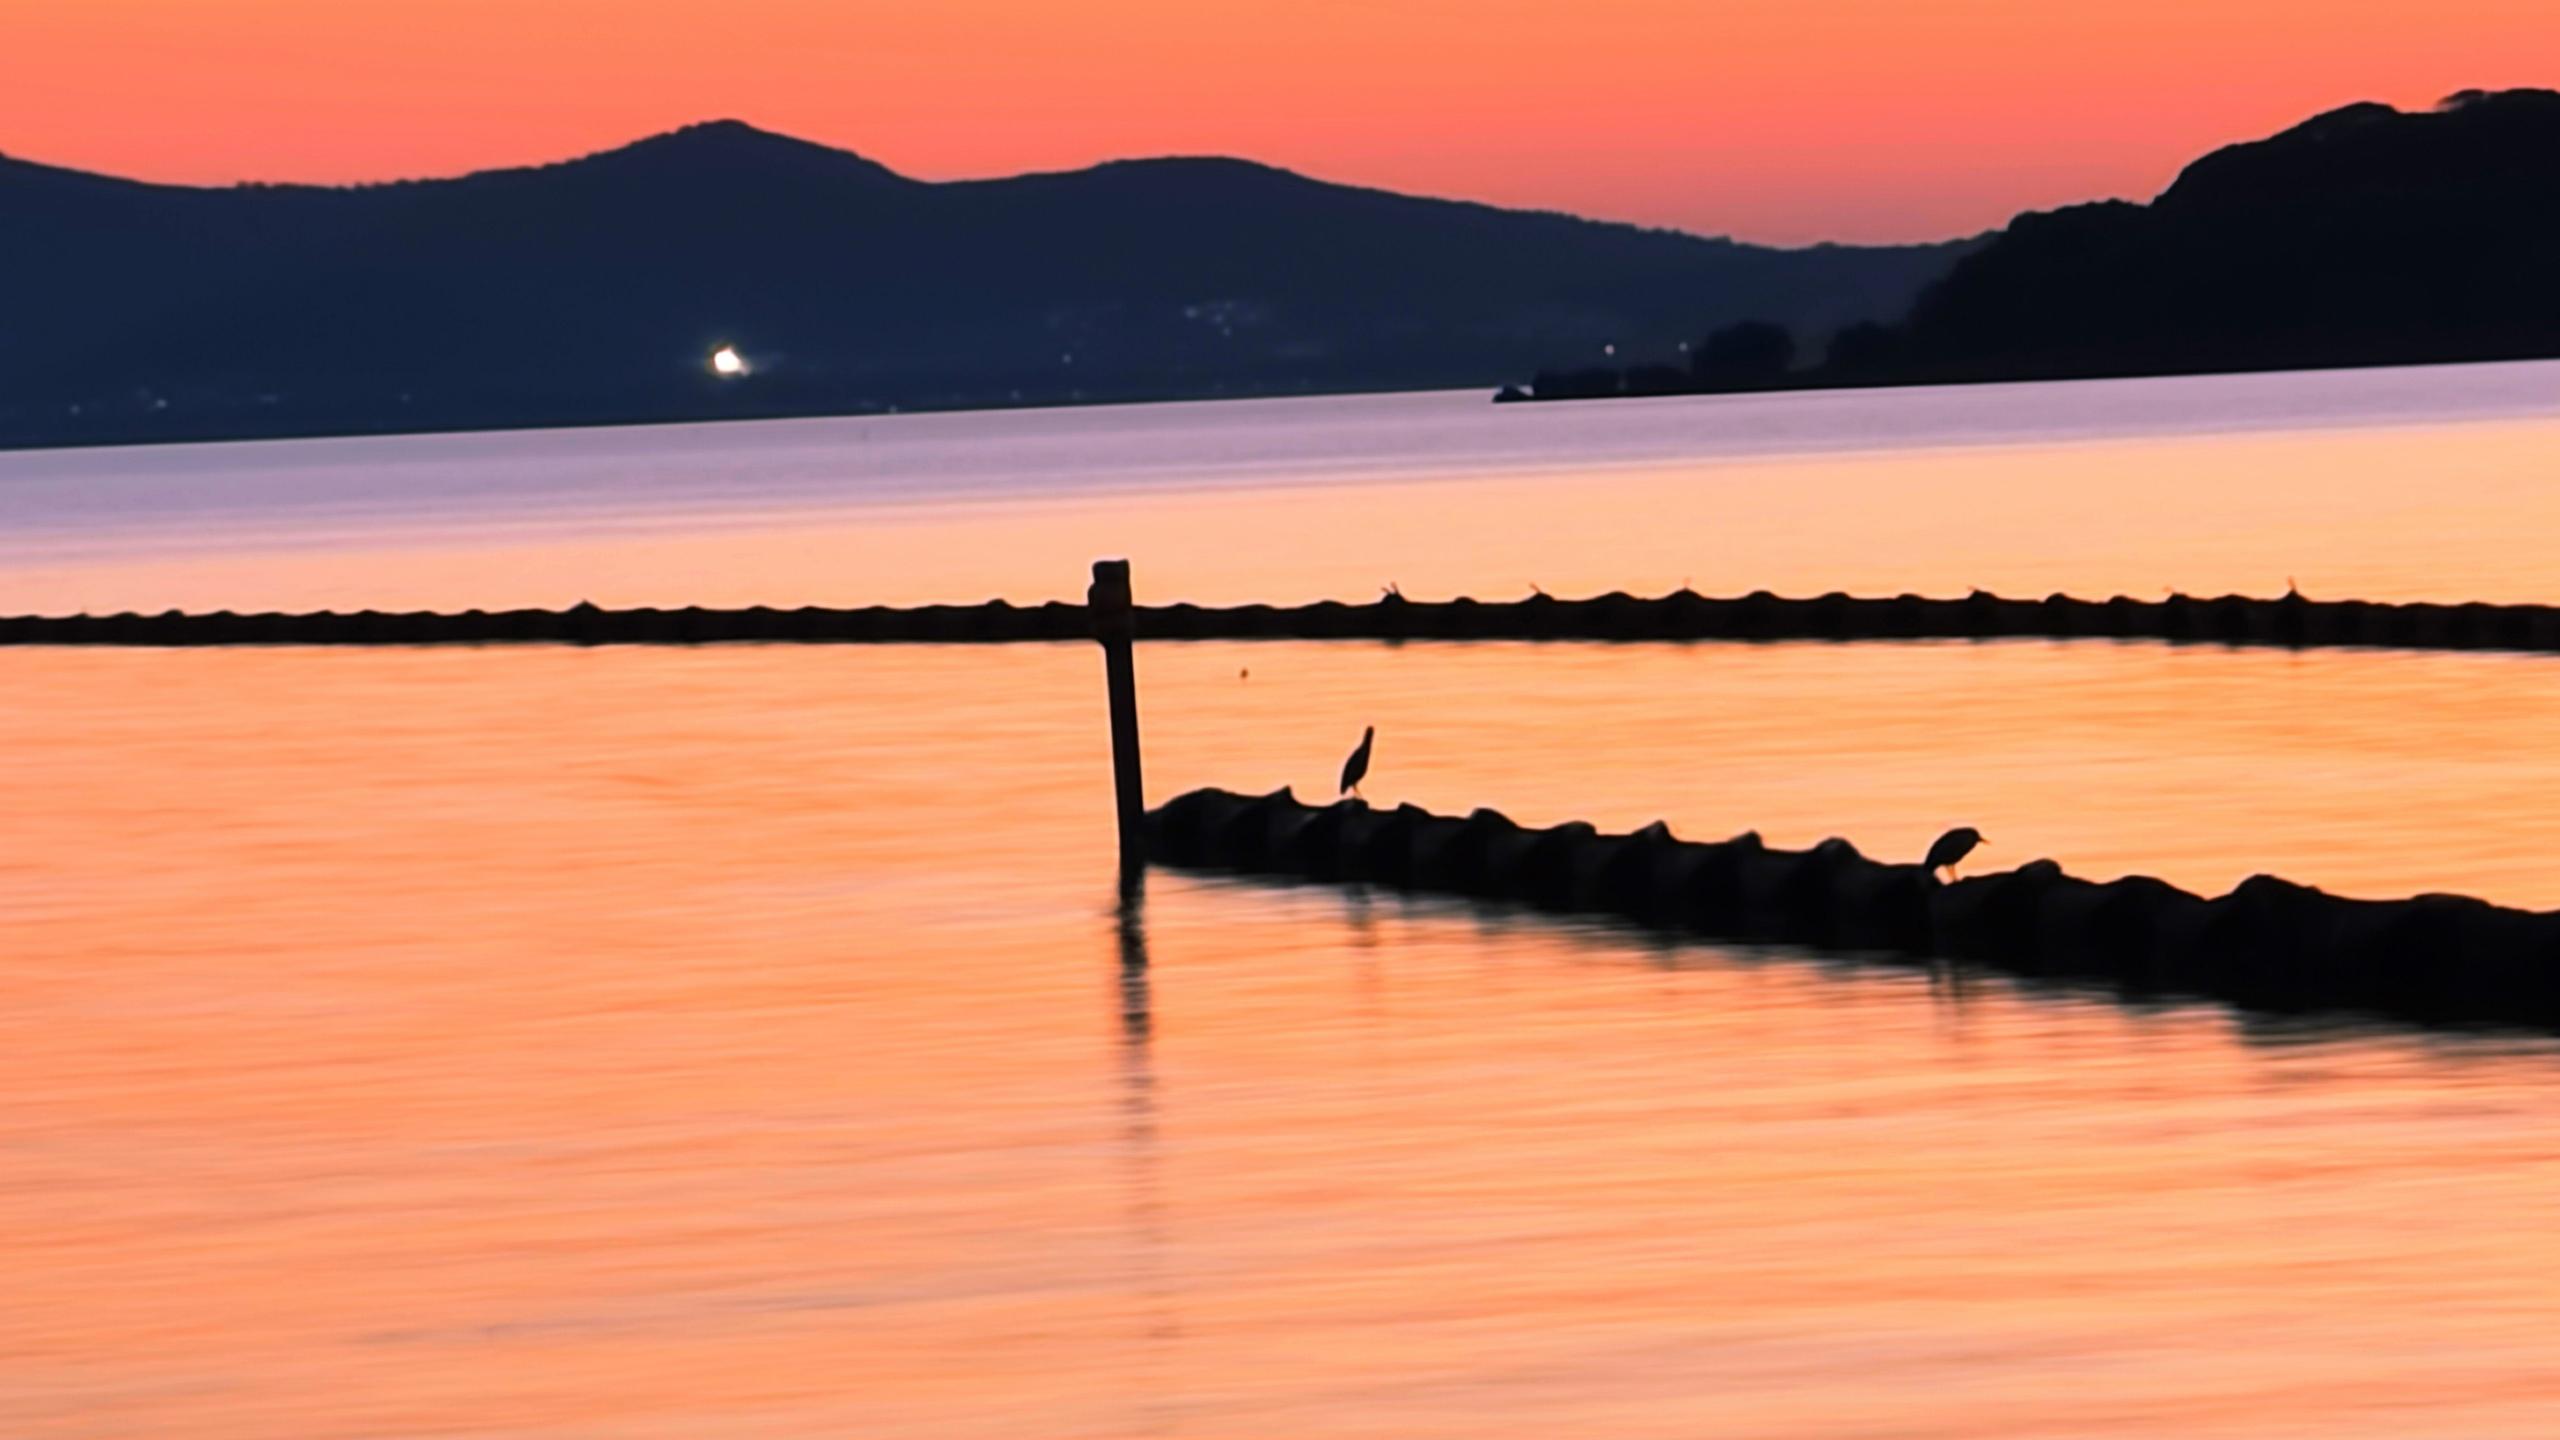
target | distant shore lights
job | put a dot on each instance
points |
(727, 363)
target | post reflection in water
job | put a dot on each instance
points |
(1129, 923)
(1150, 1287)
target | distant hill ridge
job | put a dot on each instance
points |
(2363, 236)
(595, 289)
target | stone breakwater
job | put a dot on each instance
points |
(2290, 620)
(2268, 945)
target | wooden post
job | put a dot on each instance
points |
(1108, 603)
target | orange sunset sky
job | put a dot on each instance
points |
(1776, 120)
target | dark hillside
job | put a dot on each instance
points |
(2365, 236)
(596, 289)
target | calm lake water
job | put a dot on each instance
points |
(745, 1041)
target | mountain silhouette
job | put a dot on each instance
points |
(2365, 236)
(596, 289)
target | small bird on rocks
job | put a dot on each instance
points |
(1355, 768)
(1952, 847)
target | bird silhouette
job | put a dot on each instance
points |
(1355, 768)
(1952, 847)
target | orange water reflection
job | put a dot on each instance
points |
(614, 1043)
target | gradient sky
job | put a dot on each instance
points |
(1777, 120)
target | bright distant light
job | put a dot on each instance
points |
(728, 362)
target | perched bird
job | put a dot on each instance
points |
(1952, 847)
(1357, 766)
